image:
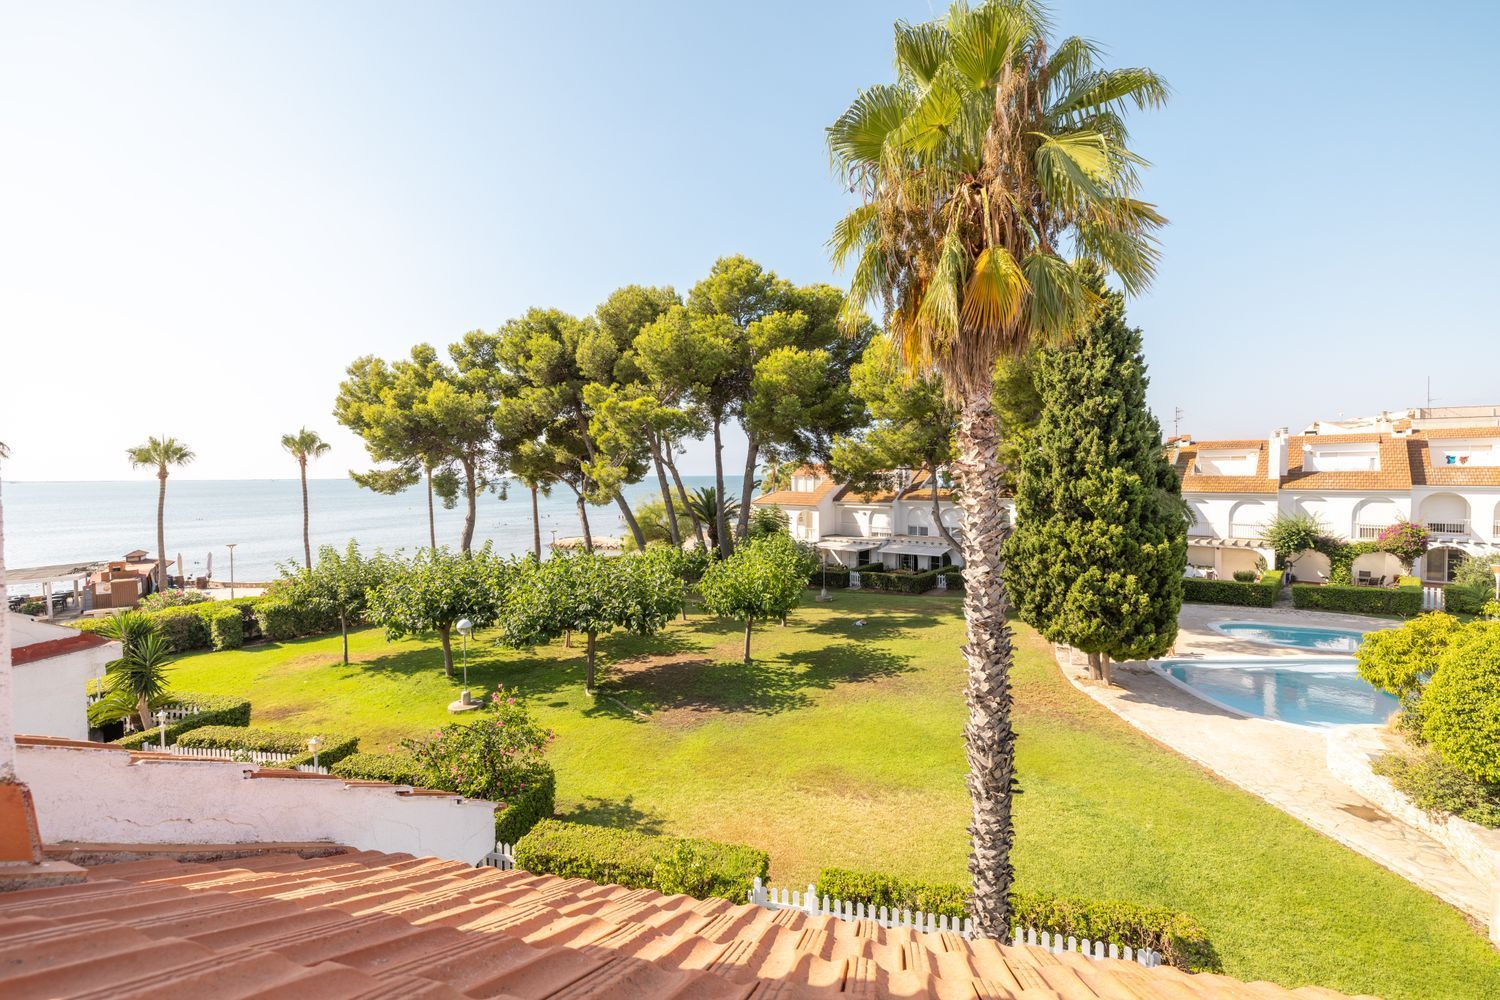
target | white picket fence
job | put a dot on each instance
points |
(502, 857)
(854, 579)
(1432, 598)
(249, 756)
(814, 905)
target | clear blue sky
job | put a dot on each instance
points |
(232, 200)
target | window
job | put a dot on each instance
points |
(804, 484)
(917, 529)
(908, 562)
(1443, 564)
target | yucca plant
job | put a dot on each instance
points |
(138, 679)
(992, 164)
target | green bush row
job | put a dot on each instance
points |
(280, 620)
(837, 576)
(334, 748)
(1261, 594)
(1178, 937)
(205, 625)
(701, 868)
(213, 710)
(535, 803)
(900, 583)
(1467, 599)
(1405, 600)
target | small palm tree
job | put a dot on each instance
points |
(993, 158)
(161, 453)
(138, 678)
(303, 445)
(703, 503)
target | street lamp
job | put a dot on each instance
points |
(823, 594)
(231, 546)
(313, 745)
(464, 627)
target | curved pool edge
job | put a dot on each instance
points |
(1222, 628)
(1159, 668)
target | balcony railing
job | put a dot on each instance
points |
(1448, 527)
(1368, 532)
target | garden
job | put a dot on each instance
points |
(837, 750)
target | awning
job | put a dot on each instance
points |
(838, 544)
(935, 548)
(1227, 543)
(51, 574)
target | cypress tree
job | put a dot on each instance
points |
(1097, 555)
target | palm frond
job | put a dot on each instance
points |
(1131, 252)
(854, 231)
(932, 120)
(987, 40)
(858, 138)
(995, 291)
(939, 309)
(1061, 301)
(920, 50)
(1107, 89)
(1075, 168)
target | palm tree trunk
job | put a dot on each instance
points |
(666, 494)
(747, 491)
(536, 526)
(306, 541)
(431, 517)
(588, 677)
(471, 511)
(161, 530)
(989, 740)
(143, 712)
(630, 522)
(682, 494)
(726, 545)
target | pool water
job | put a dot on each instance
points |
(1320, 640)
(1316, 691)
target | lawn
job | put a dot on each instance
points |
(842, 746)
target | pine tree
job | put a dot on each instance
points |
(1098, 552)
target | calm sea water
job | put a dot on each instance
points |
(48, 523)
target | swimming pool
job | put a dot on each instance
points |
(1317, 691)
(1318, 640)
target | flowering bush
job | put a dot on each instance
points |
(172, 599)
(496, 757)
(1406, 541)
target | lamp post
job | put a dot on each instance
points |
(231, 546)
(161, 720)
(465, 627)
(823, 594)
(314, 743)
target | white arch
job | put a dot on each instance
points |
(1446, 513)
(1248, 518)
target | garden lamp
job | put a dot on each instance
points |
(314, 743)
(464, 627)
(161, 720)
(823, 594)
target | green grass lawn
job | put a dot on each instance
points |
(842, 746)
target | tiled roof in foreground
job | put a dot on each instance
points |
(378, 925)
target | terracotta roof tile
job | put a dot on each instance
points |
(364, 924)
(795, 498)
(1394, 472)
(1193, 482)
(1424, 473)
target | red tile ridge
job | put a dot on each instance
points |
(67, 744)
(48, 648)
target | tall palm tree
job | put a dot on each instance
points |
(303, 445)
(162, 453)
(993, 159)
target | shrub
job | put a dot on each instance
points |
(1404, 601)
(1260, 594)
(183, 627)
(899, 583)
(701, 868)
(397, 768)
(1244, 576)
(226, 627)
(1467, 598)
(1461, 704)
(955, 576)
(31, 607)
(186, 627)
(1441, 789)
(279, 619)
(1179, 938)
(334, 748)
(837, 576)
(172, 599)
(532, 802)
(213, 710)
(1399, 660)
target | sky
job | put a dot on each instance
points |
(207, 210)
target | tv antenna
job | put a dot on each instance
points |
(1176, 421)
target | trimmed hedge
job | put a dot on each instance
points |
(1467, 599)
(1261, 594)
(701, 868)
(955, 575)
(900, 583)
(226, 627)
(334, 748)
(187, 627)
(1179, 938)
(535, 803)
(214, 710)
(1405, 600)
(281, 620)
(398, 768)
(838, 578)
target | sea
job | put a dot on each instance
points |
(47, 523)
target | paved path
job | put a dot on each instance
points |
(1283, 764)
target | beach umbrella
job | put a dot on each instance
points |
(181, 574)
(210, 571)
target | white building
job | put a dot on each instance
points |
(1446, 478)
(51, 667)
(893, 528)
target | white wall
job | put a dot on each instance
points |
(50, 696)
(112, 797)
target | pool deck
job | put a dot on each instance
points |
(1283, 764)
